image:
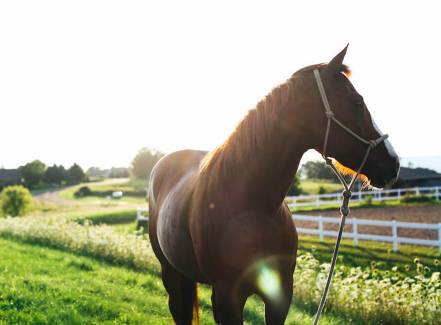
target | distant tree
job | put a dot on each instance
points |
(295, 188)
(93, 171)
(318, 170)
(32, 172)
(55, 174)
(124, 173)
(15, 200)
(144, 162)
(75, 174)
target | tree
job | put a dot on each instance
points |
(317, 170)
(144, 162)
(15, 200)
(295, 188)
(32, 172)
(55, 174)
(75, 174)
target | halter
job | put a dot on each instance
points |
(347, 194)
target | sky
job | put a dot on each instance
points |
(93, 82)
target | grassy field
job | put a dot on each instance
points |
(350, 256)
(40, 285)
(124, 185)
(311, 186)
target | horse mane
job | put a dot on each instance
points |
(255, 128)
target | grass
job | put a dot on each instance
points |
(110, 218)
(128, 249)
(366, 204)
(124, 185)
(367, 251)
(311, 186)
(40, 285)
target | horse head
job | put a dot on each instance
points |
(346, 147)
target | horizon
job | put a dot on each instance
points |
(176, 76)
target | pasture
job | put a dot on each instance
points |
(99, 274)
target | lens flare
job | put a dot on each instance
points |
(269, 283)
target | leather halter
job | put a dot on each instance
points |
(347, 192)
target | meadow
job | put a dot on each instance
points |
(365, 276)
(88, 262)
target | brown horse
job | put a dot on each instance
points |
(220, 218)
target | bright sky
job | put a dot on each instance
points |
(92, 82)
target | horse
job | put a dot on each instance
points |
(219, 217)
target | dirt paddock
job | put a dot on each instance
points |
(416, 214)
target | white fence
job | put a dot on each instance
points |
(356, 236)
(139, 215)
(335, 198)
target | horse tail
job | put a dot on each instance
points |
(196, 305)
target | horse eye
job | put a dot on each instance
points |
(359, 104)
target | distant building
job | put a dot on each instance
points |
(119, 172)
(417, 177)
(9, 177)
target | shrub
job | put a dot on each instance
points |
(15, 200)
(368, 200)
(295, 188)
(83, 191)
(416, 199)
(321, 190)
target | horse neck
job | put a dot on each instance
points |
(261, 168)
(273, 167)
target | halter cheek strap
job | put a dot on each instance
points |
(347, 192)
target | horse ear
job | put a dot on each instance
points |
(334, 67)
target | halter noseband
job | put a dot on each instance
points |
(347, 192)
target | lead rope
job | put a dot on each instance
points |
(347, 194)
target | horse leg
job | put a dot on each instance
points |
(182, 294)
(229, 306)
(277, 309)
(214, 307)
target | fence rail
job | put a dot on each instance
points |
(356, 236)
(139, 215)
(335, 198)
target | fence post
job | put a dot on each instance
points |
(399, 193)
(354, 227)
(138, 213)
(320, 226)
(317, 200)
(417, 192)
(439, 235)
(437, 193)
(394, 235)
(294, 200)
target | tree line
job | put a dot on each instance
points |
(35, 172)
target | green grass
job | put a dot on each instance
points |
(124, 185)
(365, 204)
(110, 218)
(311, 186)
(368, 251)
(40, 285)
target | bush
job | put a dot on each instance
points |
(416, 199)
(321, 190)
(15, 200)
(368, 200)
(83, 191)
(295, 188)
